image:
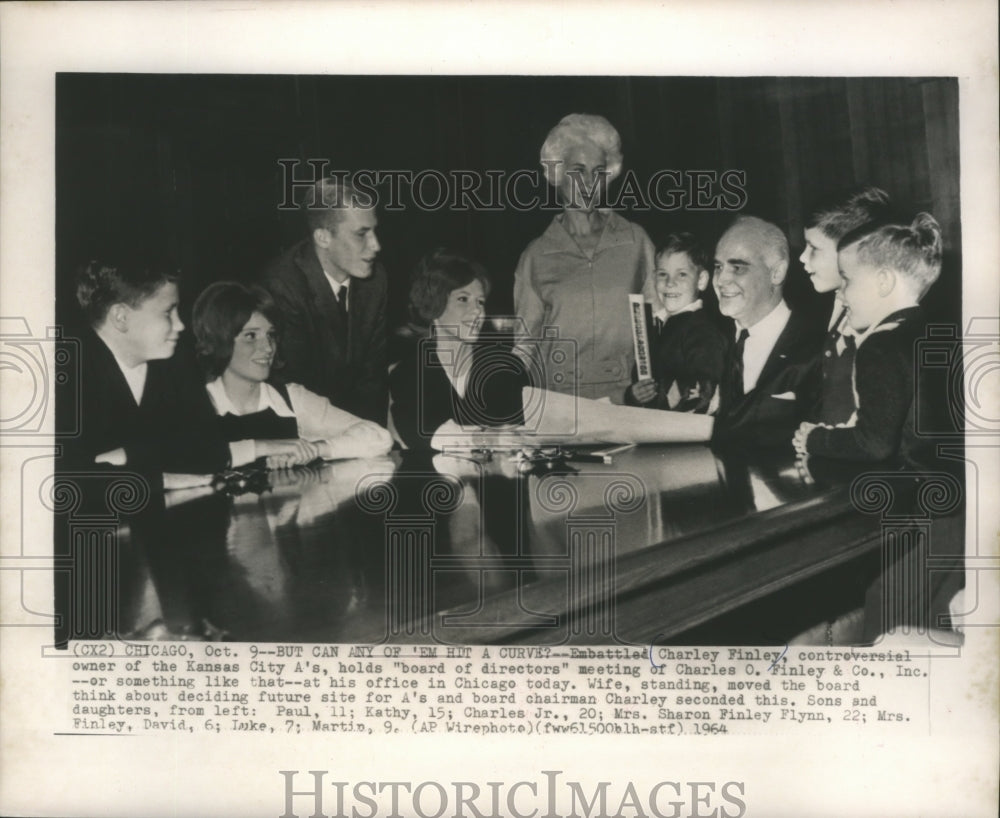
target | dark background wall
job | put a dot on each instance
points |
(185, 167)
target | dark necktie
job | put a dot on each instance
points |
(341, 299)
(737, 373)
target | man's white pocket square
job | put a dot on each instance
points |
(784, 396)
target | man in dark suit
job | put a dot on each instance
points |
(331, 295)
(768, 383)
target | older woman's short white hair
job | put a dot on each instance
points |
(577, 129)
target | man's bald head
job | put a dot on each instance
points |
(751, 262)
(767, 236)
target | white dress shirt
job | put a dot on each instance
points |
(843, 328)
(761, 339)
(337, 286)
(135, 377)
(838, 308)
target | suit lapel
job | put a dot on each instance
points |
(441, 383)
(322, 294)
(114, 384)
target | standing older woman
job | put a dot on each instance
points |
(445, 375)
(578, 274)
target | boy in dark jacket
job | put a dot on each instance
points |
(885, 274)
(688, 349)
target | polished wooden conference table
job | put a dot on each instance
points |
(666, 543)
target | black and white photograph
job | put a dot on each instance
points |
(348, 494)
(385, 431)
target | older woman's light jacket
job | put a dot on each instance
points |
(575, 307)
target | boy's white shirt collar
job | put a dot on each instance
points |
(694, 306)
(268, 398)
(135, 376)
(861, 337)
(879, 326)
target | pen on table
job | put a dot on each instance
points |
(602, 455)
(589, 458)
(624, 447)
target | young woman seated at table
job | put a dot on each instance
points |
(140, 405)
(445, 375)
(285, 424)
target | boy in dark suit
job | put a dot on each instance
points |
(141, 406)
(687, 348)
(826, 226)
(885, 274)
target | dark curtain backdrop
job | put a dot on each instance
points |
(185, 168)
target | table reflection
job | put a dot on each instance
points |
(419, 546)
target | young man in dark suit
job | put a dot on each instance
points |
(331, 295)
(767, 385)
